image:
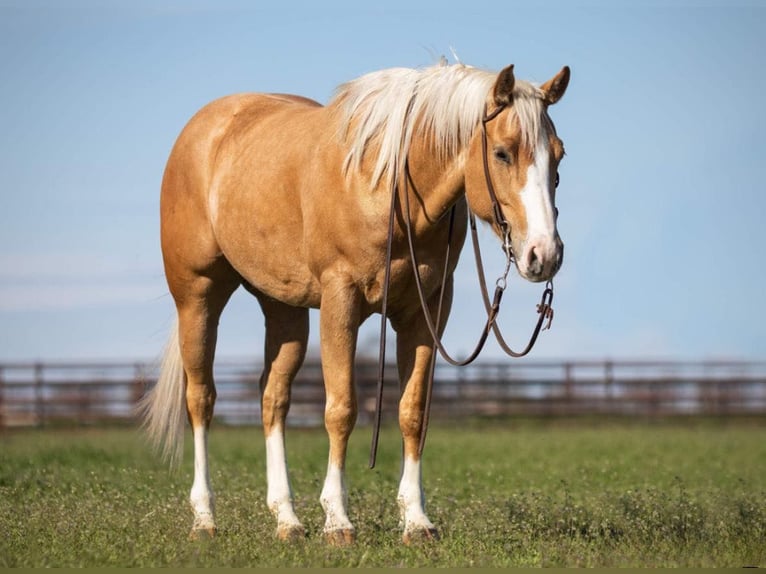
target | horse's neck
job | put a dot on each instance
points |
(434, 184)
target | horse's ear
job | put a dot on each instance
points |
(503, 91)
(554, 88)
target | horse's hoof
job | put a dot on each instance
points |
(206, 533)
(340, 537)
(291, 532)
(420, 536)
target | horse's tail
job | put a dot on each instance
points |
(163, 409)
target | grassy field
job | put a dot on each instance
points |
(516, 493)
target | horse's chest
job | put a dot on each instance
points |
(402, 289)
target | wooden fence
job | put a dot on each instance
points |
(44, 394)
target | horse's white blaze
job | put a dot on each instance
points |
(537, 198)
(202, 498)
(411, 499)
(333, 499)
(538, 204)
(278, 495)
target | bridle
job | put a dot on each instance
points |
(544, 309)
(497, 210)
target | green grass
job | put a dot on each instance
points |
(511, 493)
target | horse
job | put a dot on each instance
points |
(290, 199)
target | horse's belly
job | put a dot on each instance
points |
(273, 265)
(283, 283)
(262, 239)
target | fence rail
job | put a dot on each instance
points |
(41, 394)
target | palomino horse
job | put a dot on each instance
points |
(290, 199)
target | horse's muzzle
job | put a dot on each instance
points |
(540, 259)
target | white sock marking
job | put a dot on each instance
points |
(334, 498)
(279, 495)
(411, 499)
(201, 497)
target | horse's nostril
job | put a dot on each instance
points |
(533, 261)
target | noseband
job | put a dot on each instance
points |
(544, 309)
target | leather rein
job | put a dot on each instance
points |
(492, 307)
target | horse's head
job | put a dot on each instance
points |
(515, 158)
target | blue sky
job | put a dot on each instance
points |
(661, 196)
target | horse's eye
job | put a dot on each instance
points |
(557, 179)
(502, 155)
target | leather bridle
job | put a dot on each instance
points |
(492, 307)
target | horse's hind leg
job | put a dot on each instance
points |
(199, 301)
(287, 330)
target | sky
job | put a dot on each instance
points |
(662, 190)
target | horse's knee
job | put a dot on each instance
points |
(410, 419)
(340, 415)
(410, 427)
(275, 403)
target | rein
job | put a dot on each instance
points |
(544, 309)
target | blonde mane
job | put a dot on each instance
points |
(385, 109)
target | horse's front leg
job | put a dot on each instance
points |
(339, 319)
(414, 346)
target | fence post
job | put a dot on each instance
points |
(2, 397)
(609, 382)
(39, 395)
(82, 399)
(139, 386)
(568, 387)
